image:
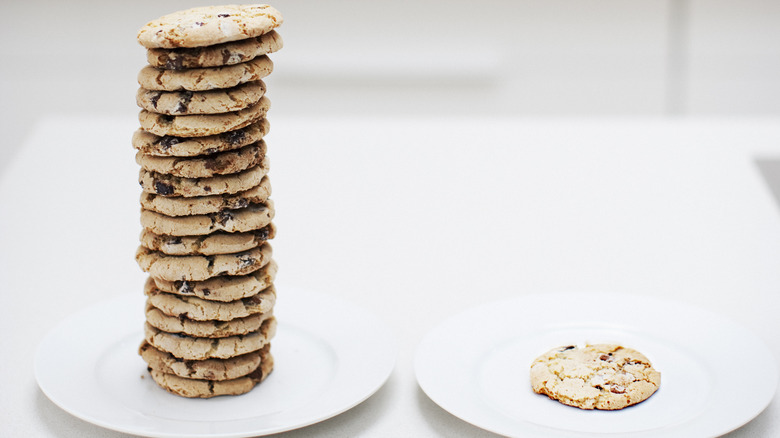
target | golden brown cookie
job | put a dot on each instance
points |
(601, 376)
(223, 288)
(208, 25)
(209, 369)
(170, 146)
(203, 125)
(234, 52)
(167, 185)
(210, 244)
(211, 388)
(199, 267)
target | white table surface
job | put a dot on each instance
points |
(415, 220)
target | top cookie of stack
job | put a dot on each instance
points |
(206, 212)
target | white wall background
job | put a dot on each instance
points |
(530, 57)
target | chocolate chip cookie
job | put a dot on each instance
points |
(217, 55)
(601, 376)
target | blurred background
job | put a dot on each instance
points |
(530, 57)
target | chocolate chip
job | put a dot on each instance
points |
(184, 101)
(206, 292)
(165, 118)
(174, 62)
(235, 137)
(223, 217)
(207, 189)
(173, 241)
(568, 348)
(199, 23)
(184, 287)
(167, 141)
(606, 357)
(246, 260)
(225, 55)
(223, 15)
(154, 96)
(163, 188)
(263, 233)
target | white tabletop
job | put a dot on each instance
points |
(415, 220)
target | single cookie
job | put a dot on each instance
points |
(209, 388)
(252, 217)
(185, 102)
(197, 268)
(601, 376)
(209, 369)
(197, 309)
(169, 146)
(207, 25)
(202, 125)
(210, 244)
(192, 348)
(205, 166)
(204, 79)
(230, 53)
(203, 329)
(223, 288)
(168, 185)
(181, 206)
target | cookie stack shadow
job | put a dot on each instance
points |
(207, 216)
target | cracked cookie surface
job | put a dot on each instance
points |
(599, 376)
(207, 25)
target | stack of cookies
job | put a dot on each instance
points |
(206, 212)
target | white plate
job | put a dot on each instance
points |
(329, 356)
(476, 364)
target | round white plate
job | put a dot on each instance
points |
(329, 356)
(476, 366)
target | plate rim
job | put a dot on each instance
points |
(422, 354)
(389, 347)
